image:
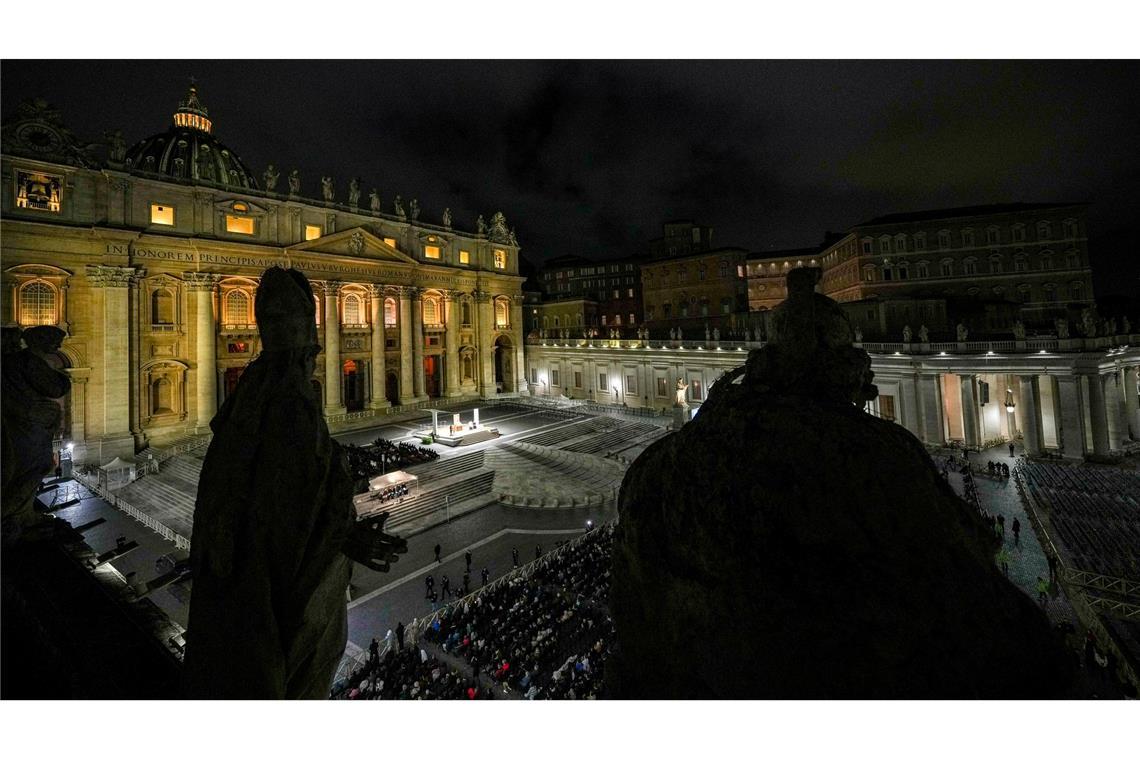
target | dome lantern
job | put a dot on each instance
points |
(192, 114)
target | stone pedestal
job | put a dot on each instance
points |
(681, 415)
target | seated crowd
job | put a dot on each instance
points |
(407, 674)
(546, 635)
(383, 456)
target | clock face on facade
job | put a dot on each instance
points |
(40, 138)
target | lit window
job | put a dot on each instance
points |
(465, 257)
(390, 241)
(37, 305)
(312, 231)
(603, 320)
(351, 313)
(431, 252)
(243, 225)
(632, 320)
(500, 259)
(41, 192)
(389, 312)
(502, 314)
(431, 311)
(161, 214)
(237, 307)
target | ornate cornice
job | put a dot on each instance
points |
(113, 277)
(201, 281)
(332, 288)
(482, 296)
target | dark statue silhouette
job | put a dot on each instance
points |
(275, 532)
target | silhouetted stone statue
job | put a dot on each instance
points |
(447, 218)
(294, 182)
(374, 201)
(353, 192)
(33, 379)
(786, 544)
(269, 177)
(274, 524)
(923, 334)
(327, 189)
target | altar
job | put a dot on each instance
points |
(456, 432)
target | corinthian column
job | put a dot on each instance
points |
(114, 286)
(378, 375)
(484, 332)
(451, 365)
(969, 387)
(418, 344)
(406, 394)
(1030, 424)
(518, 336)
(202, 285)
(333, 387)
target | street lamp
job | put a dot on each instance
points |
(1009, 405)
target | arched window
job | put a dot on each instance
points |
(37, 305)
(1077, 291)
(724, 269)
(162, 307)
(502, 314)
(352, 310)
(970, 266)
(389, 312)
(237, 307)
(1046, 260)
(431, 311)
(995, 265)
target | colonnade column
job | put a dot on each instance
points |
(484, 320)
(1117, 415)
(1028, 419)
(1072, 417)
(202, 285)
(418, 344)
(406, 394)
(451, 362)
(1131, 402)
(334, 403)
(114, 284)
(378, 375)
(908, 405)
(930, 401)
(1097, 416)
(969, 388)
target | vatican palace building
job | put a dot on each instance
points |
(148, 257)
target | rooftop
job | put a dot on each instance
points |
(961, 211)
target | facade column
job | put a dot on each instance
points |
(518, 336)
(969, 386)
(1131, 402)
(930, 401)
(1072, 417)
(377, 374)
(908, 405)
(484, 322)
(1097, 415)
(418, 345)
(1028, 419)
(406, 394)
(202, 285)
(451, 350)
(114, 283)
(1114, 409)
(334, 386)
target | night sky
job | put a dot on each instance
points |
(590, 158)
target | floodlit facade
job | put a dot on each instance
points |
(148, 258)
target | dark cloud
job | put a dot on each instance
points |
(591, 157)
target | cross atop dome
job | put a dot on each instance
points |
(191, 113)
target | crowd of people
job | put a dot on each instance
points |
(409, 673)
(392, 492)
(382, 456)
(545, 634)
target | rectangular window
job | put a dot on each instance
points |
(554, 377)
(533, 376)
(312, 231)
(631, 319)
(887, 407)
(662, 390)
(465, 258)
(242, 225)
(631, 383)
(695, 389)
(500, 259)
(629, 293)
(725, 306)
(431, 252)
(162, 215)
(42, 192)
(602, 384)
(577, 379)
(603, 320)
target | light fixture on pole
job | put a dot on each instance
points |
(1009, 405)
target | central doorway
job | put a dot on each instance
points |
(431, 376)
(353, 386)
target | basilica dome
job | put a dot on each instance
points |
(188, 151)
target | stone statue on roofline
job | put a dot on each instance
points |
(269, 178)
(414, 209)
(783, 476)
(963, 333)
(374, 201)
(327, 189)
(353, 192)
(275, 530)
(480, 226)
(1019, 330)
(907, 334)
(295, 182)
(447, 218)
(116, 146)
(923, 334)
(1062, 326)
(398, 207)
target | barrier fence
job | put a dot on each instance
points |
(179, 541)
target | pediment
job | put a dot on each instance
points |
(355, 243)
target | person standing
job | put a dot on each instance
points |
(1016, 532)
(515, 556)
(438, 550)
(1011, 450)
(445, 587)
(400, 635)
(430, 583)
(485, 575)
(1003, 560)
(466, 583)
(374, 651)
(1052, 568)
(434, 601)
(537, 551)
(1042, 591)
(467, 556)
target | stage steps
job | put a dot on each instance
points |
(433, 501)
(612, 438)
(446, 467)
(574, 430)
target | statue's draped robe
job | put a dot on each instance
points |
(31, 418)
(268, 614)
